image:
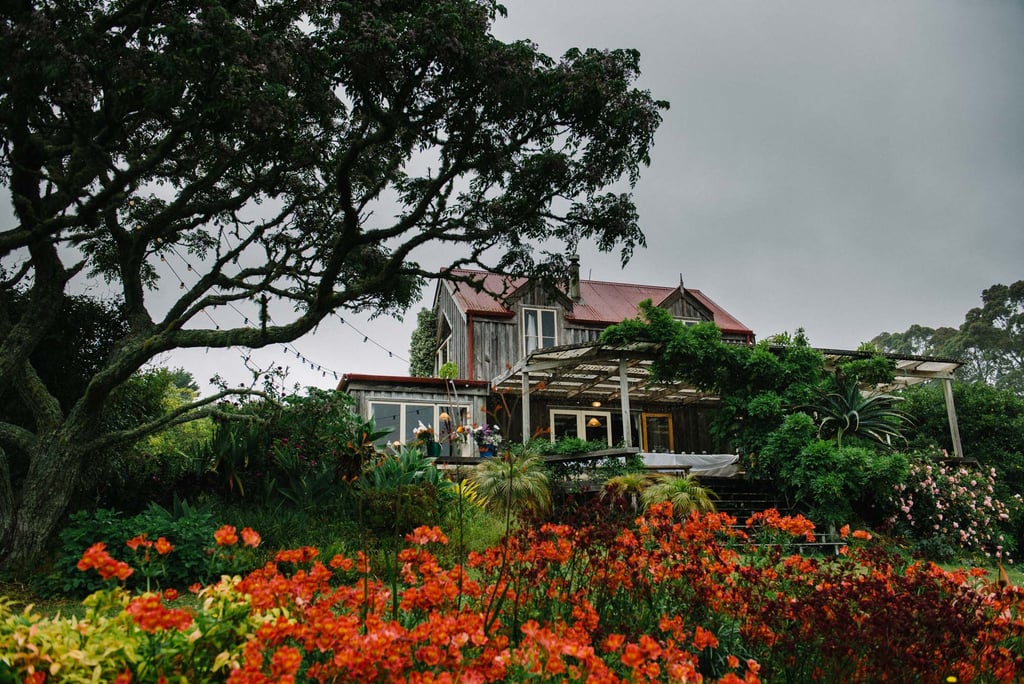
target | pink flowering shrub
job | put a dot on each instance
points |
(952, 511)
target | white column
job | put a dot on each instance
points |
(526, 406)
(627, 427)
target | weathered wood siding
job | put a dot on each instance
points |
(578, 335)
(687, 307)
(475, 397)
(459, 345)
(496, 346)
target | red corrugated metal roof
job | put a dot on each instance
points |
(723, 319)
(603, 303)
(349, 378)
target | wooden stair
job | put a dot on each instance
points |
(741, 498)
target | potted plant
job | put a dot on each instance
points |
(426, 436)
(487, 439)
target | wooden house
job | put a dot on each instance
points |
(528, 359)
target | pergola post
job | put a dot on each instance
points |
(954, 428)
(627, 426)
(526, 406)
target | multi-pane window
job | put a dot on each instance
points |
(539, 329)
(404, 418)
(593, 426)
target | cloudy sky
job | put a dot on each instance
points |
(845, 167)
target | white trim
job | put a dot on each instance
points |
(538, 334)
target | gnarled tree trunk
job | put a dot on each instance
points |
(45, 494)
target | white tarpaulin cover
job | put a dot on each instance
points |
(710, 465)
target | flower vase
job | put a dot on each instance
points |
(486, 451)
(433, 449)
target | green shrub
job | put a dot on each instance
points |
(840, 485)
(190, 530)
(402, 491)
(782, 446)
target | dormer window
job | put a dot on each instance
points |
(539, 329)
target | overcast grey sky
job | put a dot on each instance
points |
(845, 167)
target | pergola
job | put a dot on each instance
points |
(605, 372)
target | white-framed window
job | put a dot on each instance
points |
(591, 425)
(539, 329)
(444, 353)
(405, 417)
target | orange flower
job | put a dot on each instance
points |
(703, 638)
(300, 555)
(163, 547)
(170, 594)
(632, 656)
(613, 642)
(425, 534)
(97, 558)
(861, 534)
(226, 536)
(285, 662)
(150, 614)
(844, 531)
(135, 542)
(250, 537)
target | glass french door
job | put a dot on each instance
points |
(657, 433)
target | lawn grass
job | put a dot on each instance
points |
(1015, 573)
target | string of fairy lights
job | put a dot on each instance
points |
(288, 348)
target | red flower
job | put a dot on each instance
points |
(163, 547)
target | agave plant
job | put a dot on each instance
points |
(515, 481)
(684, 492)
(849, 411)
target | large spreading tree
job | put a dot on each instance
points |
(296, 155)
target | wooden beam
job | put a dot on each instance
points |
(954, 428)
(627, 428)
(526, 407)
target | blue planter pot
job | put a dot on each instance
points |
(486, 451)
